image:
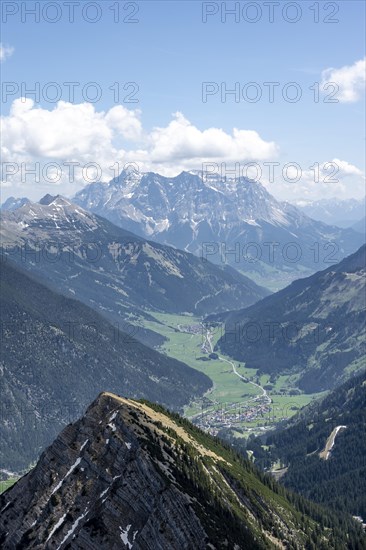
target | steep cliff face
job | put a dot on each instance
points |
(131, 476)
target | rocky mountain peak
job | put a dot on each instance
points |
(12, 203)
(131, 475)
(48, 199)
(57, 200)
(129, 176)
(48, 215)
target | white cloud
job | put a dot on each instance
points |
(67, 131)
(78, 133)
(333, 178)
(124, 122)
(350, 79)
(181, 140)
(5, 52)
(347, 169)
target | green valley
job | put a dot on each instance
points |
(241, 402)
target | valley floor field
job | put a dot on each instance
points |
(240, 400)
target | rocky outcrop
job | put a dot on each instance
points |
(97, 487)
(131, 475)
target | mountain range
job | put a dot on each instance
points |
(80, 280)
(234, 221)
(129, 474)
(119, 274)
(57, 355)
(343, 213)
(13, 203)
(314, 328)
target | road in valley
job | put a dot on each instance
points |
(210, 350)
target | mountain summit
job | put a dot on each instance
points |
(131, 475)
(12, 203)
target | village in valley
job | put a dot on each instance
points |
(255, 413)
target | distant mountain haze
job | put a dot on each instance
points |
(343, 213)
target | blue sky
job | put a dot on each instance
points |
(168, 54)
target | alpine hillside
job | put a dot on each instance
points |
(57, 355)
(131, 475)
(322, 452)
(314, 328)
